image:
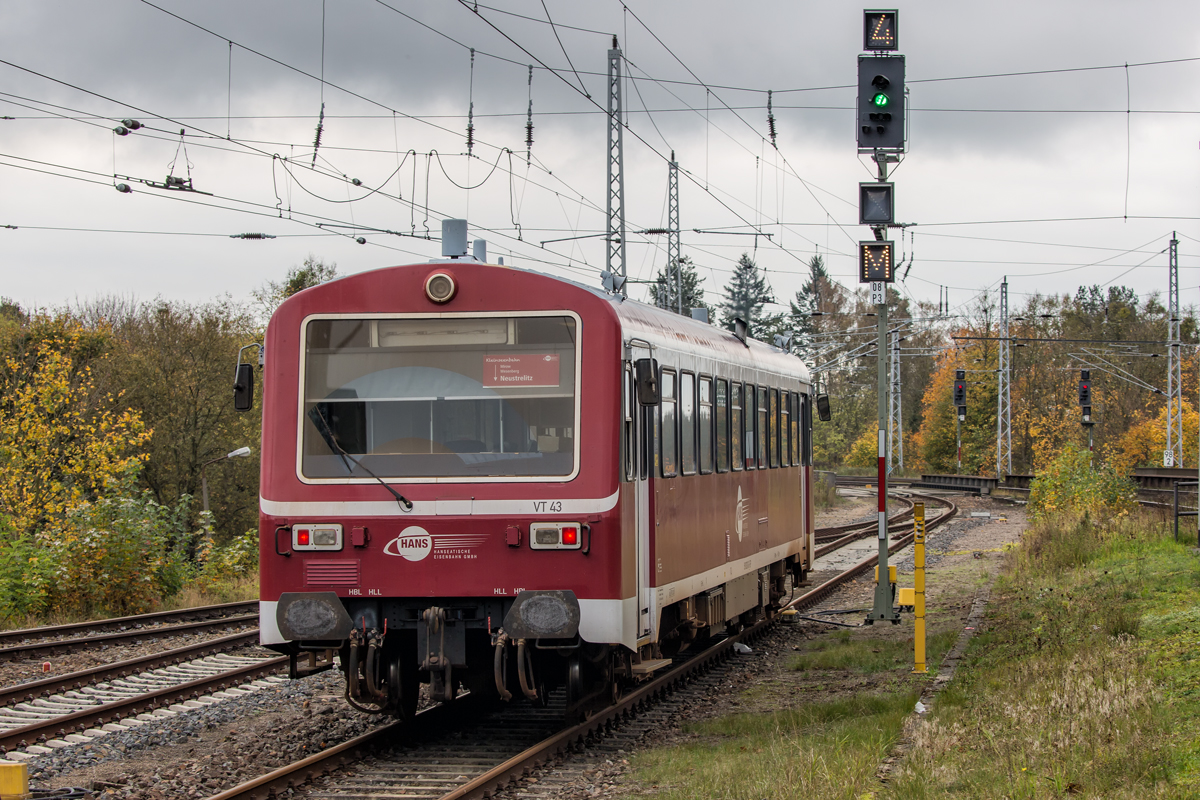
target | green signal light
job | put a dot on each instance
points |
(880, 100)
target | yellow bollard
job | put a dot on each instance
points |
(14, 780)
(919, 587)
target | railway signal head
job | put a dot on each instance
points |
(876, 262)
(876, 204)
(881, 29)
(881, 102)
(1085, 388)
(960, 389)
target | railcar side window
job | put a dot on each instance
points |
(722, 421)
(773, 421)
(415, 397)
(687, 421)
(736, 426)
(706, 426)
(762, 427)
(750, 442)
(795, 437)
(629, 428)
(806, 430)
(667, 446)
(785, 430)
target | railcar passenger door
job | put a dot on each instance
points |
(642, 492)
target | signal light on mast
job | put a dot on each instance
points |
(881, 102)
(881, 29)
(876, 262)
(960, 390)
(1085, 388)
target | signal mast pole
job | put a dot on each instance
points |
(615, 251)
(1003, 396)
(895, 411)
(880, 132)
(1173, 455)
(673, 230)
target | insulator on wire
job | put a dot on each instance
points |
(471, 109)
(529, 119)
(123, 188)
(121, 130)
(770, 119)
(317, 138)
(356, 181)
(360, 239)
(251, 236)
(132, 124)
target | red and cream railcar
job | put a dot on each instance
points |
(485, 476)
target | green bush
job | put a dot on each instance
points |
(123, 552)
(1071, 483)
(237, 559)
(27, 573)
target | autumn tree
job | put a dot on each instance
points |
(313, 272)
(61, 441)
(174, 362)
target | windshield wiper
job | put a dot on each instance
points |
(318, 419)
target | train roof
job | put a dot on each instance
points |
(666, 329)
(661, 328)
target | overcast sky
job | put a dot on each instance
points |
(1063, 177)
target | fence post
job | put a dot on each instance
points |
(1175, 506)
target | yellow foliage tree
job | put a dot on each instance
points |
(865, 450)
(1143, 443)
(59, 445)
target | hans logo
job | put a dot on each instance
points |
(740, 512)
(413, 544)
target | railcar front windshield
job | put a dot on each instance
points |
(470, 397)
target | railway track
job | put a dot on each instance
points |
(81, 715)
(82, 705)
(433, 757)
(37, 642)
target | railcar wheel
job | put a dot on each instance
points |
(404, 687)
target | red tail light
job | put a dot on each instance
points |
(302, 537)
(570, 537)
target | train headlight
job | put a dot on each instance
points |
(554, 536)
(440, 287)
(318, 536)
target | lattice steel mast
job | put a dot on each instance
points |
(673, 229)
(615, 252)
(1173, 457)
(1004, 395)
(895, 411)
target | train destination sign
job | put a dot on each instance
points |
(528, 369)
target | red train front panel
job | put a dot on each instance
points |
(490, 413)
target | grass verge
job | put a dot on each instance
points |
(1085, 683)
(822, 750)
(1088, 681)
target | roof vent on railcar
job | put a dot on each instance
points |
(454, 238)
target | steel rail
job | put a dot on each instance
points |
(93, 716)
(896, 524)
(817, 594)
(120, 623)
(84, 642)
(836, 531)
(25, 692)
